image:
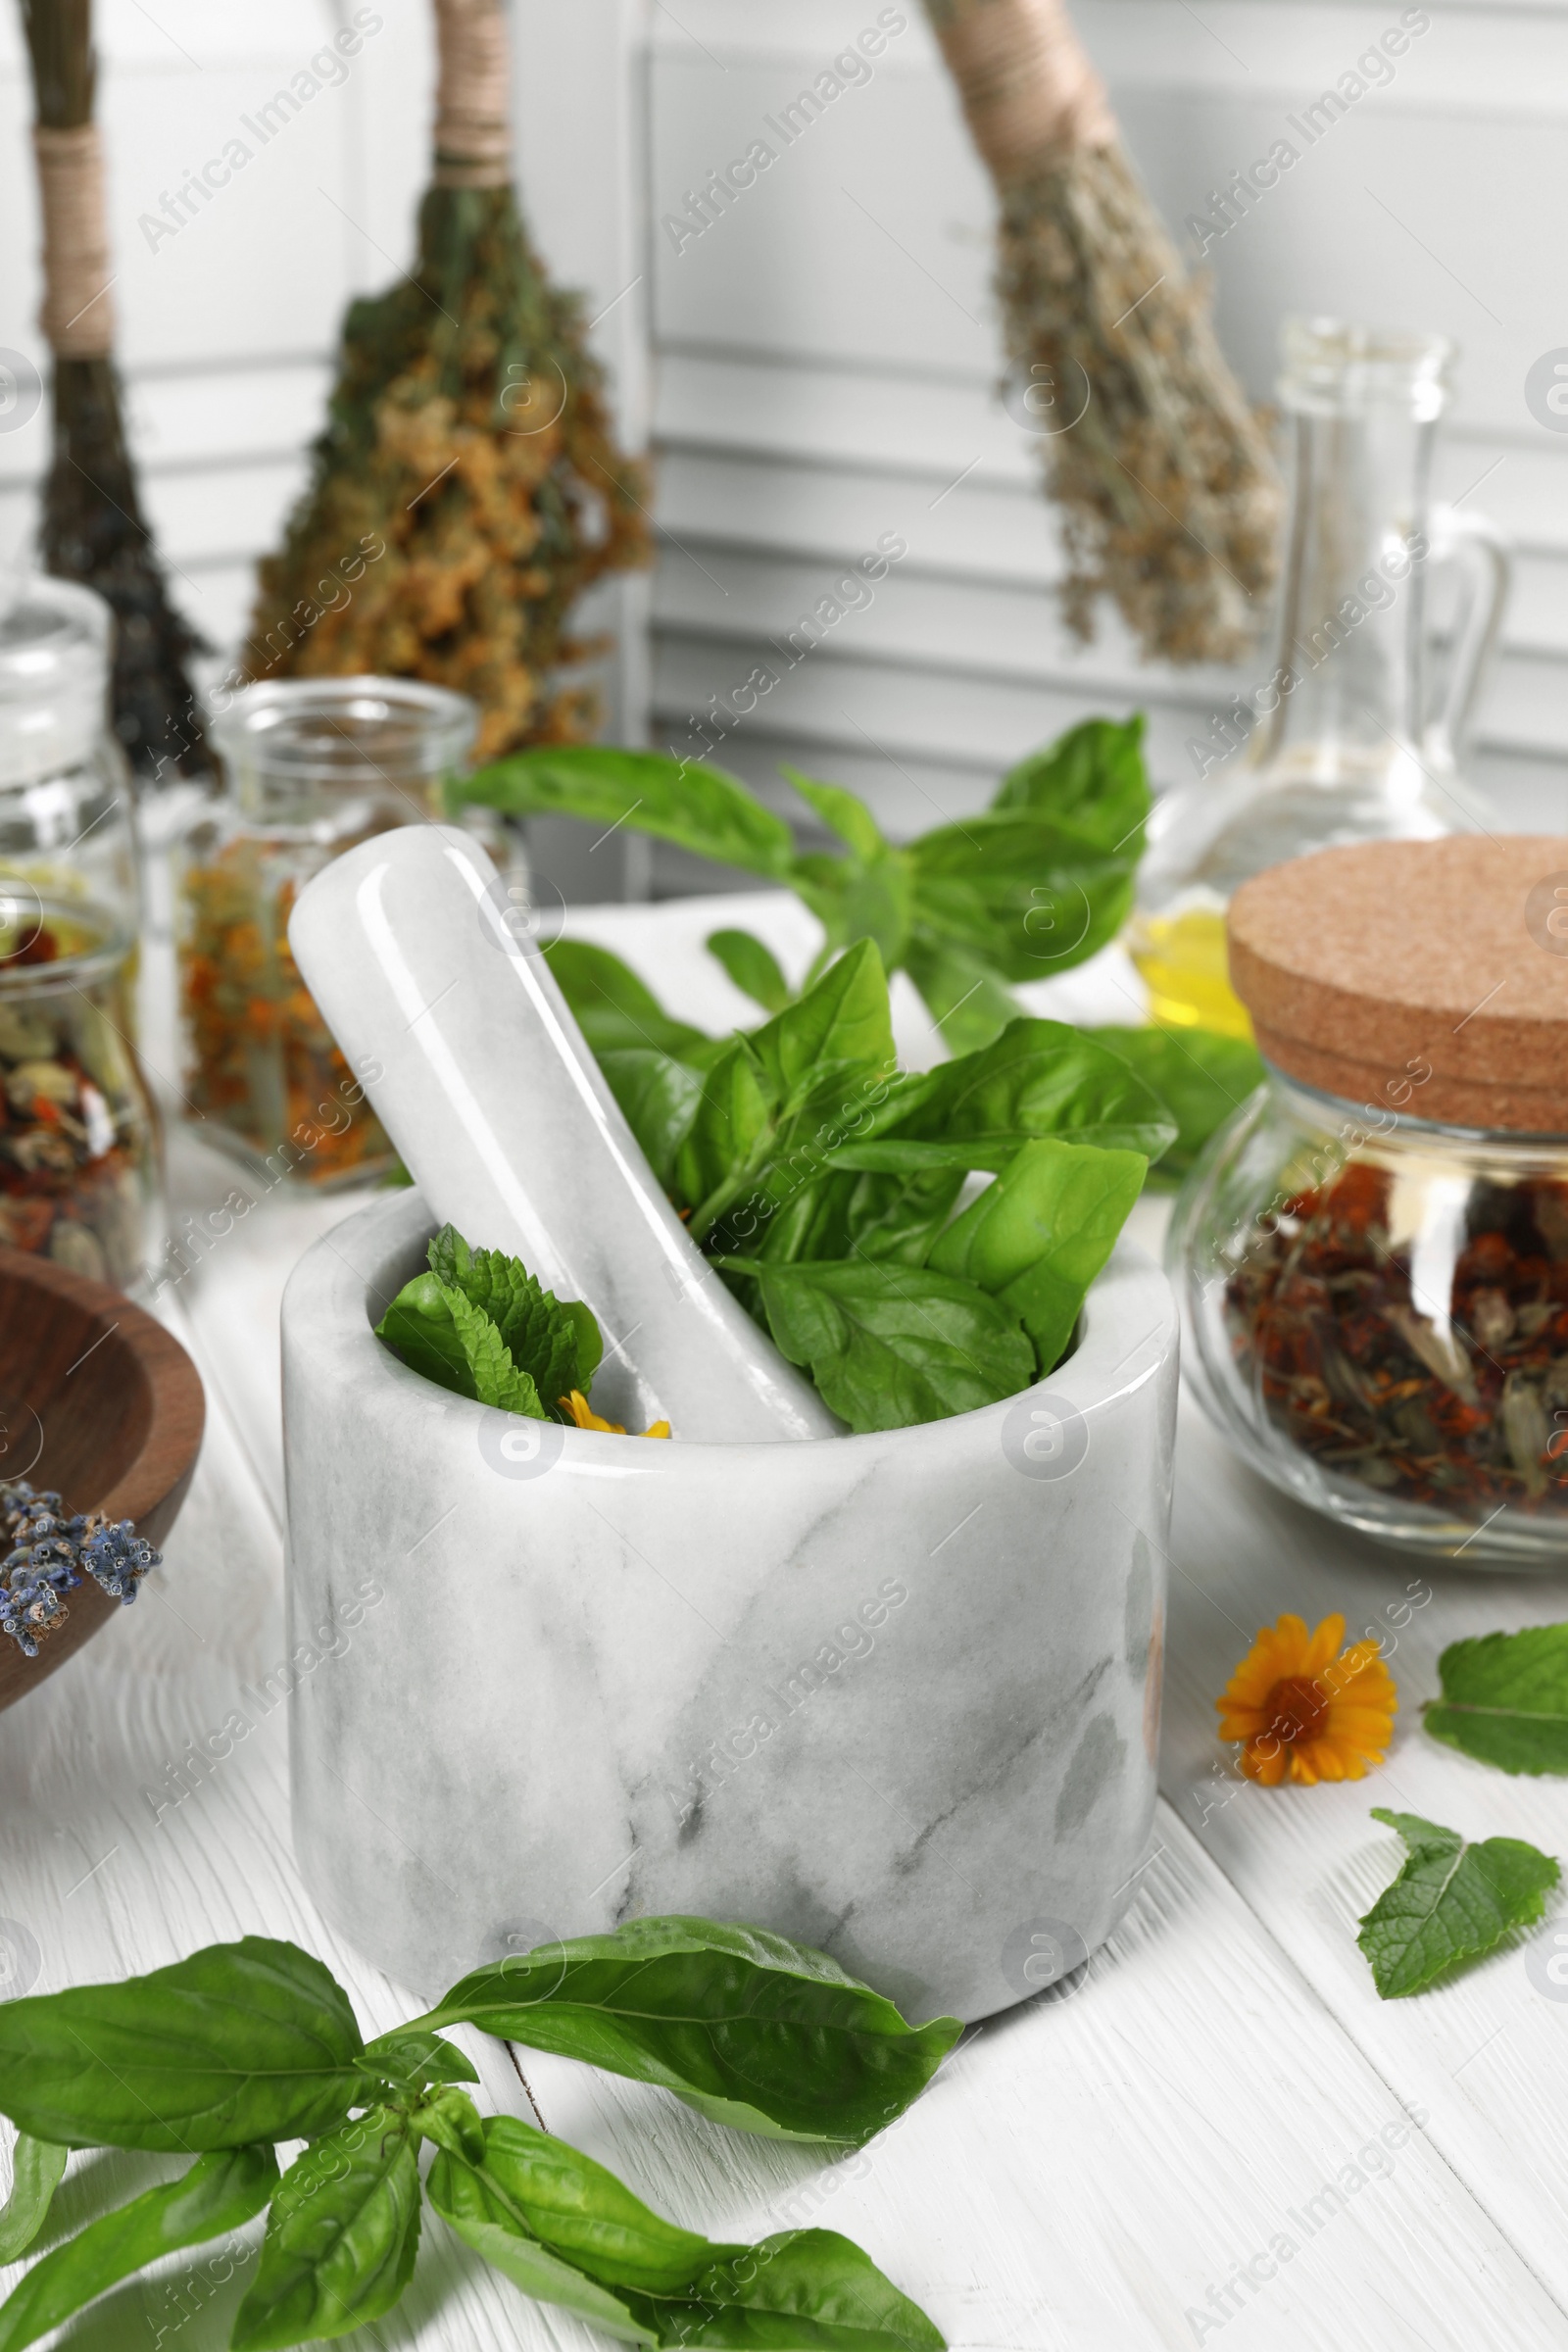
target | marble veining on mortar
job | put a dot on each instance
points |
(895, 1695)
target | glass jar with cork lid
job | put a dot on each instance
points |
(1373, 1252)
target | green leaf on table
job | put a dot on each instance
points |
(1452, 1901)
(890, 1344)
(1199, 1076)
(1036, 1239)
(476, 2209)
(1042, 1078)
(411, 2057)
(1093, 778)
(810, 2289)
(341, 2238)
(221, 2191)
(243, 2042)
(753, 2030)
(567, 2231)
(696, 807)
(752, 967)
(611, 1006)
(1506, 1699)
(37, 2168)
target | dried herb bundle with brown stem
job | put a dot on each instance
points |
(92, 529)
(1170, 499)
(468, 463)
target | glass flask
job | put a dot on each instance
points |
(1341, 742)
(312, 766)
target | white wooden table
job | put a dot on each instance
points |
(1218, 2134)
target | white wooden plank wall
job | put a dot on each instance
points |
(827, 353)
(823, 359)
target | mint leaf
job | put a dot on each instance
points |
(1037, 1238)
(1452, 1901)
(496, 1378)
(1506, 1699)
(540, 1334)
(891, 1344)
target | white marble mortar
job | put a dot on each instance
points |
(895, 1694)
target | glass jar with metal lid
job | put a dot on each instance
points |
(312, 766)
(1373, 1253)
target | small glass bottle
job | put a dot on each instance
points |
(313, 765)
(1339, 742)
(79, 1136)
(1373, 1252)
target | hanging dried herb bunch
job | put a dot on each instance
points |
(467, 480)
(1170, 499)
(92, 528)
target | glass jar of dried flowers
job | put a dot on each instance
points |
(1374, 1250)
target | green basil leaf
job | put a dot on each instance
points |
(844, 813)
(411, 2057)
(243, 2042)
(539, 1334)
(1027, 896)
(1506, 1699)
(220, 2192)
(451, 2118)
(809, 2290)
(841, 1029)
(890, 1344)
(728, 1136)
(698, 807)
(1452, 1901)
(477, 2211)
(341, 2238)
(1042, 1078)
(963, 993)
(585, 2214)
(1198, 1075)
(611, 1006)
(1093, 778)
(659, 1099)
(846, 1212)
(898, 1155)
(752, 965)
(37, 2168)
(1037, 1238)
(751, 2029)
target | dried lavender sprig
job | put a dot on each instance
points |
(47, 1553)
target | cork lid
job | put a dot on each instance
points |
(1425, 976)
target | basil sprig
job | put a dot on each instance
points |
(823, 1181)
(248, 2043)
(1033, 885)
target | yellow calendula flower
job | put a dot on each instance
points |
(582, 1413)
(1306, 1710)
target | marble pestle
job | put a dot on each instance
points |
(479, 1075)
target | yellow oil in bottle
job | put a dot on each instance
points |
(1182, 961)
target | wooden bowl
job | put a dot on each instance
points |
(99, 1402)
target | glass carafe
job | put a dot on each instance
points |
(1339, 742)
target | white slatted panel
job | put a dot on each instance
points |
(226, 329)
(827, 354)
